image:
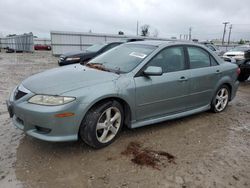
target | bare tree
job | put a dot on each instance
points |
(120, 33)
(145, 30)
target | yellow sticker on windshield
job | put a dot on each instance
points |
(137, 54)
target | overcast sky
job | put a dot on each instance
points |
(170, 17)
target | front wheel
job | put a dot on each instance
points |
(102, 124)
(221, 99)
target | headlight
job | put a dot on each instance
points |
(50, 100)
(72, 58)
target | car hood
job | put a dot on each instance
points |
(60, 80)
(234, 53)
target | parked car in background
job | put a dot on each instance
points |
(85, 56)
(135, 84)
(42, 47)
(132, 39)
(244, 69)
(239, 53)
(213, 48)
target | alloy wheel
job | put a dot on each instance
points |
(108, 124)
(221, 99)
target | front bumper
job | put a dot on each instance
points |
(40, 121)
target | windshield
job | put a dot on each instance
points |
(95, 47)
(123, 58)
(240, 48)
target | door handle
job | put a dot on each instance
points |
(183, 78)
(218, 71)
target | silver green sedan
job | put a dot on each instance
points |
(134, 85)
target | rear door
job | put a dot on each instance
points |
(204, 74)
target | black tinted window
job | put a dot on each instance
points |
(170, 59)
(198, 58)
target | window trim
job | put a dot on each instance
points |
(140, 72)
(211, 57)
(210, 46)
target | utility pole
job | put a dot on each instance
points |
(190, 33)
(137, 27)
(224, 32)
(180, 36)
(230, 30)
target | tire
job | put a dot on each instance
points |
(97, 129)
(220, 99)
(243, 77)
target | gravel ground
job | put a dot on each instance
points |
(209, 150)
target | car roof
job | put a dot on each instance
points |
(159, 43)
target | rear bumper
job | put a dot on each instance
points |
(234, 89)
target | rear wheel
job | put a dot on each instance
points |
(102, 124)
(243, 77)
(221, 99)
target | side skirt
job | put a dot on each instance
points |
(169, 117)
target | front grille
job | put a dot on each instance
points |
(19, 94)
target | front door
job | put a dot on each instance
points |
(166, 94)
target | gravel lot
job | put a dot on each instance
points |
(210, 150)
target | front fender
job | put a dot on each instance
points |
(122, 89)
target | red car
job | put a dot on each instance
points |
(42, 47)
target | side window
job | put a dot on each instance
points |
(198, 58)
(170, 59)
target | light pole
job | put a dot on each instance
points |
(190, 33)
(224, 32)
(230, 30)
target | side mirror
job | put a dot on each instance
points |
(153, 71)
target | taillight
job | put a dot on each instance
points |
(238, 71)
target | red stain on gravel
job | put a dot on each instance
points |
(148, 157)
